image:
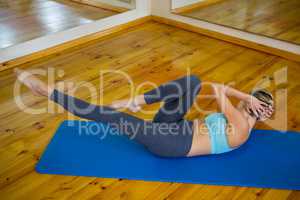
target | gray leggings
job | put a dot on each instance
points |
(168, 135)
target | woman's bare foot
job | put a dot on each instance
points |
(130, 105)
(37, 86)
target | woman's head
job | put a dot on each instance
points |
(267, 98)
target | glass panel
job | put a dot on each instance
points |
(23, 20)
(279, 19)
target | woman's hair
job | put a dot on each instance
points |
(264, 96)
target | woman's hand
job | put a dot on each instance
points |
(128, 104)
(256, 105)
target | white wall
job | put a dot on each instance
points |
(163, 9)
(181, 3)
(143, 8)
(119, 3)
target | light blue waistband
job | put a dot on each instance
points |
(216, 124)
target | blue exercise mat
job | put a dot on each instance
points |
(270, 159)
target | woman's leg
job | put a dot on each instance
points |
(171, 140)
(178, 95)
(89, 111)
(74, 105)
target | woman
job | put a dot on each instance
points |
(169, 135)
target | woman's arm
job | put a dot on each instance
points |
(231, 92)
(234, 116)
(256, 105)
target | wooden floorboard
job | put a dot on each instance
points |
(279, 19)
(152, 52)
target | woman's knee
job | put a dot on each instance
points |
(195, 81)
(188, 83)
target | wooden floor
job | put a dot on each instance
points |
(278, 19)
(23, 20)
(152, 52)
